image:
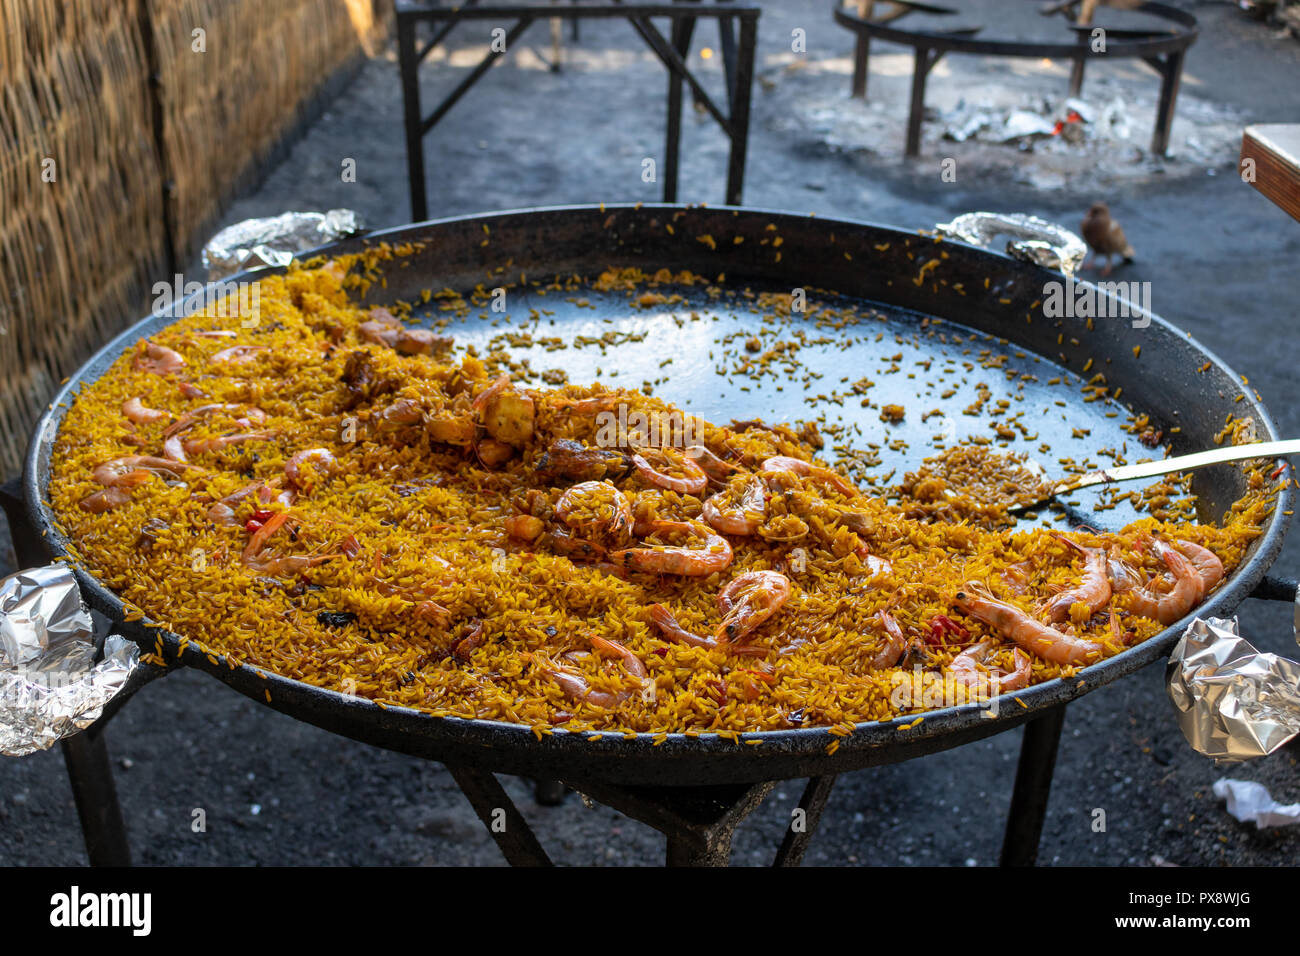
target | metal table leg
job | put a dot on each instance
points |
(1076, 75)
(681, 32)
(861, 64)
(1170, 67)
(1033, 786)
(727, 43)
(743, 90)
(924, 63)
(409, 66)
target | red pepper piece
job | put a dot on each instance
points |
(941, 626)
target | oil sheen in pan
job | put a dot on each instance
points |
(704, 355)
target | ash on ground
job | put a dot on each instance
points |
(1013, 118)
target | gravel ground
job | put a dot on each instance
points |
(1221, 262)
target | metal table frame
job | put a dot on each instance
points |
(698, 822)
(1162, 51)
(672, 52)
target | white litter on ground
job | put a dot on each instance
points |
(1250, 802)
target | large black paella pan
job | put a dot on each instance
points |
(994, 305)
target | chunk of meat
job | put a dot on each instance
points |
(570, 459)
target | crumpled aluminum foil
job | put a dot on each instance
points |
(1233, 702)
(1034, 240)
(275, 241)
(50, 684)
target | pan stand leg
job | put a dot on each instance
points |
(91, 777)
(507, 825)
(84, 754)
(549, 793)
(812, 803)
(698, 821)
(1033, 786)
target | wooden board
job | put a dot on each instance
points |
(1275, 149)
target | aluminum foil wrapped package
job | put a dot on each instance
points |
(51, 686)
(1033, 240)
(275, 241)
(1233, 702)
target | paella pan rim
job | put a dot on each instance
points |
(809, 742)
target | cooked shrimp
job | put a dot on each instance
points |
(895, 642)
(223, 512)
(691, 483)
(174, 449)
(1121, 574)
(749, 600)
(106, 499)
(133, 469)
(199, 446)
(577, 689)
(806, 469)
(239, 354)
(670, 630)
(741, 518)
(577, 549)
(715, 555)
(666, 624)
(1205, 561)
(430, 611)
(156, 359)
(499, 385)
(304, 467)
(138, 412)
(263, 534)
(1015, 625)
(1121, 636)
(1093, 588)
(246, 415)
(877, 565)
(1186, 593)
(716, 468)
(120, 475)
(965, 669)
(467, 644)
(258, 558)
(630, 661)
(604, 509)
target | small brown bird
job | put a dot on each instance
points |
(1104, 236)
